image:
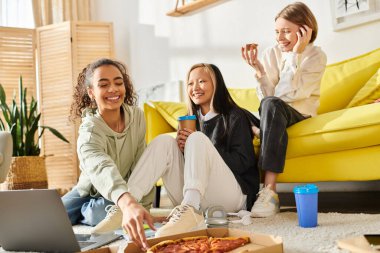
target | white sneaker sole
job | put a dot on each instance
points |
(200, 226)
(264, 214)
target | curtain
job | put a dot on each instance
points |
(48, 12)
(16, 13)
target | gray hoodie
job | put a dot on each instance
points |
(106, 157)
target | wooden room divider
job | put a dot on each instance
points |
(63, 50)
(17, 57)
(58, 52)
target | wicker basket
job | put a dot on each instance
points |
(27, 172)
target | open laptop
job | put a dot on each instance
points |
(36, 220)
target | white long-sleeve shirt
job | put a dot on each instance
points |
(295, 78)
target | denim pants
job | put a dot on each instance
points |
(275, 117)
(86, 210)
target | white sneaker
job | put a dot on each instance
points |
(183, 218)
(266, 204)
(111, 222)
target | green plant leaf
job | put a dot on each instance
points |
(24, 107)
(3, 105)
(23, 122)
(13, 130)
(2, 127)
(31, 134)
(56, 133)
(32, 112)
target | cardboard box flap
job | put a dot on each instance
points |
(112, 249)
(261, 239)
(356, 245)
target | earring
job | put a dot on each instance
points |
(93, 103)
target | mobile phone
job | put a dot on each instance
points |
(373, 240)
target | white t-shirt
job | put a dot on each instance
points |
(295, 78)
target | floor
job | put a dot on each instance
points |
(340, 202)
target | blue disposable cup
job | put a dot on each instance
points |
(307, 205)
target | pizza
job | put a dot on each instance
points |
(252, 46)
(199, 244)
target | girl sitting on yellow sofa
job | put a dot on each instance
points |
(289, 77)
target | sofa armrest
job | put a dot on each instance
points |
(155, 123)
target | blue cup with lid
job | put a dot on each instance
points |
(307, 205)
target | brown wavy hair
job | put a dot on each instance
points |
(81, 100)
(299, 14)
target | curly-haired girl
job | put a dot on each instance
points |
(110, 142)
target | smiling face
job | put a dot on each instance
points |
(200, 88)
(107, 88)
(286, 34)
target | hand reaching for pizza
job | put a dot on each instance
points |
(134, 216)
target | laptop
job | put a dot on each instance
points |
(36, 220)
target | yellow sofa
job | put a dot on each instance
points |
(340, 144)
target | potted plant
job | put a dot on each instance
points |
(22, 121)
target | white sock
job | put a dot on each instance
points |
(192, 197)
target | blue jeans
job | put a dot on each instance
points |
(86, 210)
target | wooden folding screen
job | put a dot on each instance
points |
(17, 57)
(63, 51)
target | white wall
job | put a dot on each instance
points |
(158, 48)
(163, 48)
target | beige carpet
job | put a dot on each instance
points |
(332, 227)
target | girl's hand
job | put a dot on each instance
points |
(304, 36)
(134, 216)
(249, 54)
(182, 136)
(377, 100)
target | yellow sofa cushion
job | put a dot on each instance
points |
(342, 80)
(156, 124)
(170, 111)
(368, 93)
(245, 98)
(345, 129)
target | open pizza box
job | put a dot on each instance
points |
(111, 249)
(260, 243)
(356, 245)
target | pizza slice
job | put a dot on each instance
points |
(188, 244)
(226, 244)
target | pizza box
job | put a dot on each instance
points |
(111, 249)
(356, 245)
(260, 243)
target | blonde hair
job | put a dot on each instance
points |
(299, 14)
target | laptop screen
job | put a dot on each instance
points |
(36, 220)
